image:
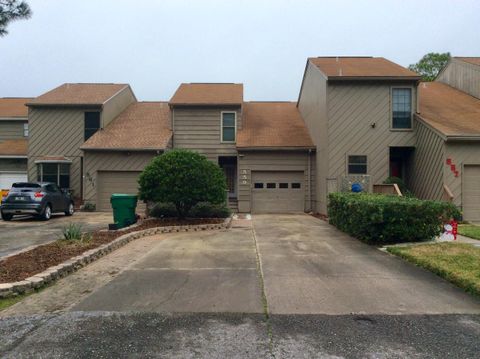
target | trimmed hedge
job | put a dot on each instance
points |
(200, 210)
(381, 219)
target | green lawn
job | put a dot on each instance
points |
(469, 230)
(458, 263)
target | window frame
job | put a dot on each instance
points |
(91, 128)
(234, 127)
(406, 129)
(58, 172)
(26, 132)
(348, 164)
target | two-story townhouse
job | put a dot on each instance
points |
(359, 111)
(61, 120)
(447, 155)
(14, 134)
(264, 148)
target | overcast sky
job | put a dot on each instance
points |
(155, 45)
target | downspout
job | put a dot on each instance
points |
(310, 179)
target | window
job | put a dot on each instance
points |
(271, 185)
(58, 173)
(92, 124)
(228, 126)
(25, 130)
(402, 108)
(258, 185)
(283, 185)
(296, 185)
(357, 165)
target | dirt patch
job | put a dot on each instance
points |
(26, 264)
(320, 216)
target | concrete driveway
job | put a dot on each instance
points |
(310, 267)
(25, 231)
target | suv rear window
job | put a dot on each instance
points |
(25, 185)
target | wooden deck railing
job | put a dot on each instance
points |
(387, 189)
(447, 195)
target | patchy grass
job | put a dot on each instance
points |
(7, 302)
(469, 230)
(458, 263)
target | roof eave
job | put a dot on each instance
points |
(124, 149)
(374, 78)
(275, 148)
(99, 105)
(172, 104)
(450, 138)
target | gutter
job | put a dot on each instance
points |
(14, 156)
(123, 149)
(310, 179)
(304, 148)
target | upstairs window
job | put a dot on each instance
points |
(357, 165)
(92, 124)
(25, 130)
(402, 108)
(229, 125)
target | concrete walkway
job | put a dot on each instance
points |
(310, 267)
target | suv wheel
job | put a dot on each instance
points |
(70, 209)
(7, 216)
(47, 213)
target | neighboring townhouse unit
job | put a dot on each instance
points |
(463, 73)
(14, 133)
(61, 120)
(447, 157)
(359, 111)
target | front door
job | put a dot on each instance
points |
(230, 171)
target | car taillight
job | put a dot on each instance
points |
(39, 194)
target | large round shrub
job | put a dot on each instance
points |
(183, 178)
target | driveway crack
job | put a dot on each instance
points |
(266, 311)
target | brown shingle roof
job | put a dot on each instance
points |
(14, 147)
(470, 60)
(141, 126)
(11, 107)
(450, 111)
(208, 94)
(358, 67)
(78, 94)
(272, 124)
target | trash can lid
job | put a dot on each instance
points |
(123, 195)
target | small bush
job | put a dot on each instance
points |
(380, 219)
(163, 210)
(89, 207)
(209, 210)
(72, 232)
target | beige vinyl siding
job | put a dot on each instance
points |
(426, 179)
(463, 76)
(56, 132)
(461, 154)
(352, 109)
(10, 130)
(199, 129)
(13, 165)
(249, 162)
(113, 107)
(312, 105)
(111, 161)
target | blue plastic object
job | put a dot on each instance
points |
(357, 187)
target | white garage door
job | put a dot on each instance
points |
(110, 182)
(471, 193)
(8, 178)
(278, 192)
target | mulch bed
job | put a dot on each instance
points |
(29, 263)
(320, 216)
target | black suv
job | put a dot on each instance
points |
(37, 198)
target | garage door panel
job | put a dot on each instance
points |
(110, 182)
(471, 193)
(8, 178)
(286, 194)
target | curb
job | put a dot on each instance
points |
(73, 264)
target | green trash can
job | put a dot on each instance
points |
(123, 209)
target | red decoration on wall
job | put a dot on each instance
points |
(456, 173)
(449, 161)
(453, 168)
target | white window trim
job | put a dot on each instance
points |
(412, 111)
(25, 130)
(348, 163)
(221, 127)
